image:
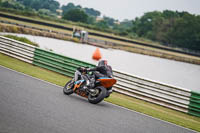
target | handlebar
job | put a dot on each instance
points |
(82, 69)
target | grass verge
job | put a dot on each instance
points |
(36, 25)
(21, 30)
(22, 39)
(32, 70)
(153, 110)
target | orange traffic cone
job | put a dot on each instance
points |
(96, 54)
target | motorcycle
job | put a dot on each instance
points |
(101, 88)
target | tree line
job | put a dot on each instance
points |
(170, 28)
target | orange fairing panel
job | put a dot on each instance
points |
(76, 86)
(107, 82)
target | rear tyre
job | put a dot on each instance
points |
(98, 95)
(107, 95)
(68, 88)
(108, 92)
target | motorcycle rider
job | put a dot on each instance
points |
(102, 70)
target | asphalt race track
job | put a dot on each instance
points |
(29, 105)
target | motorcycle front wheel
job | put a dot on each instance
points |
(98, 95)
(68, 88)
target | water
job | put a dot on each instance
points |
(171, 72)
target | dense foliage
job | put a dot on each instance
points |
(76, 15)
(11, 4)
(177, 29)
(88, 11)
(51, 5)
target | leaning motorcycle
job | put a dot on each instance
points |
(102, 87)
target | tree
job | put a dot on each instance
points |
(76, 15)
(11, 4)
(68, 7)
(91, 20)
(186, 32)
(102, 24)
(51, 5)
(172, 28)
(88, 11)
(110, 21)
(144, 25)
(44, 12)
(170, 14)
(92, 12)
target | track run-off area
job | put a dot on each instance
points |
(30, 105)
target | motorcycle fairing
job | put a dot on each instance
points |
(79, 81)
(107, 82)
(77, 84)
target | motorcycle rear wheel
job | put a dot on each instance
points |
(101, 93)
(68, 88)
(108, 92)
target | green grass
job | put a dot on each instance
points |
(153, 110)
(36, 25)
(156, 111)
(22, 39)
(34, 71)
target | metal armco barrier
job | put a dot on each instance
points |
(16, 49)
(151, 91)
(57, 63)
(162, 94)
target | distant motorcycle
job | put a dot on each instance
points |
(102, 87)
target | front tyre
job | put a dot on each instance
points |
(98, 95)
(68, 88)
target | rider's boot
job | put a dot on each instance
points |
(91, 85)
(86, 85)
